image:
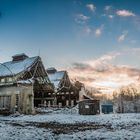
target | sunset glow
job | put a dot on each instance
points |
(97, 42)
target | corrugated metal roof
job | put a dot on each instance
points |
(13, 68)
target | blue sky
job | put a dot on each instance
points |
(66, 32)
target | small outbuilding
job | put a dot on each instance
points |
(89, 107)
(107, 108)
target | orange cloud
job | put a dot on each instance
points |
(103, 75)
(125, 13)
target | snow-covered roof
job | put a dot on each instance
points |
(56, 77)
(14, 67)
(56, 84)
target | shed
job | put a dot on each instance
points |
(107, 108)
(89, 107)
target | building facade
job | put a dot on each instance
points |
(21, 80)
(66, 92)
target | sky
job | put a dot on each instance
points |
(96, 41)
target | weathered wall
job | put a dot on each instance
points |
(21, 96)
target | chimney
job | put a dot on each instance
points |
(19, 57)
(51, 70)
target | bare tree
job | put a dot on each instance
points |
(127, 99)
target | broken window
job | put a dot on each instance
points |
(5, 102)
(2, 80)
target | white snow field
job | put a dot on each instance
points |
(66, 125)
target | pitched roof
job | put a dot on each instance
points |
(12, 68)
(56, 77)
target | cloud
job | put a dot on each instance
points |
(98, 31)
(125, 13)
(80, 66)
(108, 7)
(111, 16)
(101, 64)
(97, 65)
(91, 7)
(80, 18)
(122, 37)
(103, 75)
(87, 30)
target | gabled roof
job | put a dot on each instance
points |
(15, 67)
(56, 77)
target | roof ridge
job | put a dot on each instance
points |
(19, 60)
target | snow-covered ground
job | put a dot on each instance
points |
(67, 124)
